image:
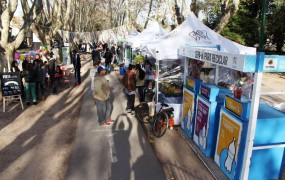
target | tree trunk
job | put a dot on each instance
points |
(9, 57)
(230, 10)
(148, 14)
(194, 8)
(157, 10)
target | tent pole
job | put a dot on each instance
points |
(252, 120)
(217, 74)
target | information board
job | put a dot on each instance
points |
(11, 83)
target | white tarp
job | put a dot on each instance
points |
(193, 32)
(152, 32)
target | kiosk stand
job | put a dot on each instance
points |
(250, 139)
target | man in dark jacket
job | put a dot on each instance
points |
(51, 72)
(77, 65)
(96, 56)
(37, 67)
(108, 59)
(26, 61)
(30, 85)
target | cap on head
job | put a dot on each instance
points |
(100, 68)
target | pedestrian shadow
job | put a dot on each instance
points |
(121, 155)
(147, 165)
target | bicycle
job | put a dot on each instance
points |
(160, 120)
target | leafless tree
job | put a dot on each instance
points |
(8, 8)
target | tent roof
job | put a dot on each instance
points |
(153, 31)
(192, 32)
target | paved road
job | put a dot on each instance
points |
(119, 151)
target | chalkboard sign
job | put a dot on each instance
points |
(10, 83)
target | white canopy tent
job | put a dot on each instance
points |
(153, 31)
(193, 32)
(133, 34)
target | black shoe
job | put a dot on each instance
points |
(27, 103)
(35, 103)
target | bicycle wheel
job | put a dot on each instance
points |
(160, 124)
(142, 112)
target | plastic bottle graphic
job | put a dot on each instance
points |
(189, 118)
(204, 142)
(231, 155)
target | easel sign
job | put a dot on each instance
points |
(11, 87)
(11, 83)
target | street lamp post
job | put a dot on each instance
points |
(263, 20)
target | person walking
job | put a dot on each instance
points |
(30, 85)
(108, 59)
(77, 66)
(114, 52)
(140, 81)
(96, 56)
(38, 71)
(26, 61)
(15, 68)
(101, 95)
(129, 82)
(51, 73)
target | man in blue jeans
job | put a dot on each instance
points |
(101, 96)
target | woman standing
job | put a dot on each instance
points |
(129, 82)
(30, 84)
(140, 78)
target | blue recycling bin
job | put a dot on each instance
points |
(208, 105)
(190, 91)
(267, 160)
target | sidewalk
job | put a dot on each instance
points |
(118, 151)
(124, 150)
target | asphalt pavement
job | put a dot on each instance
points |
(126, 149)
(118, 151)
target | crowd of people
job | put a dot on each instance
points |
(135, 80)
(34, 77)
(112, 55)
(38, 75)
